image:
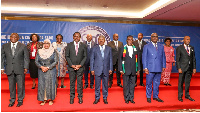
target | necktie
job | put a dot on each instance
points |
(102, 52)
(13, 49)
(76, 49)
(116, 45)
(88, 47)
(187, 50)
(156, 46)
(140, 45)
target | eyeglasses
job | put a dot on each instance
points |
(154, 36)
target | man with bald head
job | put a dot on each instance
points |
(186, 65)
(15, 58)
(89, 44)
(154, 62)
(115, 45)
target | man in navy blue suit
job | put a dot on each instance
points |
(101, 66)
(154, 62)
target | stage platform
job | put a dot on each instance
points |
(115, 98)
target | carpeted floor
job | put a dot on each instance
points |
(115, 98)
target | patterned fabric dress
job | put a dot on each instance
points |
(62, 65)
(169, 53)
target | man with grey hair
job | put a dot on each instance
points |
(101, 66)
(115, 46)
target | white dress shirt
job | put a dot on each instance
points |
(130, 50)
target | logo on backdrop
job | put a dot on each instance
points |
(95, 31)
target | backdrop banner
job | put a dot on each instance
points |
(49, 29)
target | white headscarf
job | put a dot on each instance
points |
(46, 53)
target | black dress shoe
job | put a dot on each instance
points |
(71, 101)
(158, 99)
(91, 87)
(96, 101)
(105, 101)
(132, 101)
(191, 99)
(120, 85)
(85, 86)
(109, 86)
(80, 101)
(142, 85)
(165, 84)
(149, 100)
(19, 104)
(127, 101)
(11, 104)
(180, 99)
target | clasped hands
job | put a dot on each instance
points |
(76, 67)
(44, 69)
(2, 71)
(110, 72)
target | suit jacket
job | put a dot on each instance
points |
(183, 59)
(142, 46)
(115, 53)
(72, 59)
(89, 51)
(19, 62)
(130, 63)
(98, 64)
(152, 59)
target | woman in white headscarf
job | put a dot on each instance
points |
(46, 61)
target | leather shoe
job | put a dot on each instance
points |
(91, 87)
(142, 85)
(105, 101)
(149, 100)
(165, 84)
(71, 101)
(110, 85)
(180, 99)
(80, 101)
(158, 99)
(120, 85)
(126, 101)
(11, 104)
(96, 101)
(85, 86)
(19, 104)
(169, 84)
(135, 85)
(191, 99)
(132, 101)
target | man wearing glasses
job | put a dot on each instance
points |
(154, 62)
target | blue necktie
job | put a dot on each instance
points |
(102, 52)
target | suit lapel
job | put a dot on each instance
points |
(99, 51)
(9, 48)
(185, 51)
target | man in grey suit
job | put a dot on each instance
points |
(89, 44)
(15, 58)
(186, 65)
(115, 45)
(76, 55)
(140, 44)
(101, 66)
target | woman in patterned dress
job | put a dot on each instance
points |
(169, 53)
(33, 48)
(61, 67)
(46, 61)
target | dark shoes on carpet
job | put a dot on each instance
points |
(11, 104)
(80, 100)
(19, 104)
(149, 100)
(120, 85)
(71, 101)
(105, 101)
(158, 99)
(96, 101)
(191, 99)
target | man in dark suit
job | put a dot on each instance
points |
(186, 65)
(76, 55)
(101, 66)
(154, 62)
(115, 45)
(89, 44)
(140, 44)
(15, 58)
(129, 67)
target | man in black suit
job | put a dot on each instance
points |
(128, 68)
(115, 45)
(140, 44)
(89, 44)
(186, 65)
(15, 58)
(76, 55)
